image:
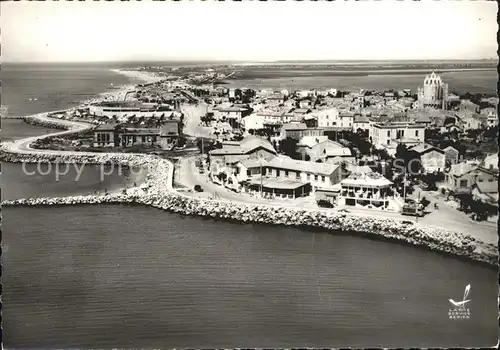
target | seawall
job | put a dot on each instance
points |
(434, 239)
(160, 194)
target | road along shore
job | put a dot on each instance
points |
(159, 193)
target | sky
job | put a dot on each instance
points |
(246, 31)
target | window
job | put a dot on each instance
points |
(323, 178)
(490, 180)
(143, 138)
(402, 133)
(308, 176)
(388, 133)
(480, 180)
(463, 183)
(286, 172)
(249, 172)
(277, 172)
(416, 133)
(316, 177)
(297, 176)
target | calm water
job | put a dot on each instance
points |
(54, 87)
(59, 180)
(15, 129)
(118, 276)
(466, 81)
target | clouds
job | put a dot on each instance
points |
(108, 31)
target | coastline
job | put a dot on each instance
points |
(161, 194)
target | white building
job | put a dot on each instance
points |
(388, 135)
(434, 92)
(491, 162)
(327, 117)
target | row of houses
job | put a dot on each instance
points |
(119, 135)
(253, 165)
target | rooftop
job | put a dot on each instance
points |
(276, 183)
(106, 127)
(369, 179)
(294, 126)
(243, 147)
(311, 141)
(425, 147)
(283, 162)
(487, 187)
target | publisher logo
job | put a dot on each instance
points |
(459, 309)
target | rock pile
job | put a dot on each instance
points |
(434, 239)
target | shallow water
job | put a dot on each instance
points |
(461, 82)
(119, 276)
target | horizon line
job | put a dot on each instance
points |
(264, 61)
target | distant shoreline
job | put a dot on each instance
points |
(277, 72)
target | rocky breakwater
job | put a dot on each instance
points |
(157, 196)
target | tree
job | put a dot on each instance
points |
(288, 147)
(222, 177)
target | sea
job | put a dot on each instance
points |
(117, 276)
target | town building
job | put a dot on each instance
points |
(114, 135)
(451, 155)
(368, 190)
(470, 122)
(389, 135)
(275, 100)
(491, 162)
(284, 177)
(460, 177)
(122, 109)
(139, 137)
(432, 158)
(491, 117)
(361, 122)
(468, 106)
(233, 151)
(320, 148)
(105, 135)
(486, 192)
(233, 115)
(327, 117)
(298, 130)
(433, 93)
(319, 175)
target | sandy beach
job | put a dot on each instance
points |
(147, 77)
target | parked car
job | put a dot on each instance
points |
(198, 188)
(324, 204)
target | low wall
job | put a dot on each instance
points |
(434, 239)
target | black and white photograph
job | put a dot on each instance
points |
(249, 174)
